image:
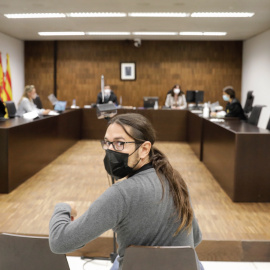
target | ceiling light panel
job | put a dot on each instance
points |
(158, 14)
(202, 33)
(35, 15)
(108, 33)
(61, 33)
(96, 14)
(214, 33)
(222, 14)
(155, 33)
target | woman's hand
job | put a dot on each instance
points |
(73, 212)
(46, 112)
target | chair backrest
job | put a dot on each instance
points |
(29, 253)
(255, 115)
(268, 125)
(38, 102)
(249, 101)
(159, 258)
(11, 108)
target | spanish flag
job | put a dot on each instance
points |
(8, 86)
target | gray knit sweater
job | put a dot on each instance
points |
(133, 208)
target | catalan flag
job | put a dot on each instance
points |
(1, 77)
(8, 86)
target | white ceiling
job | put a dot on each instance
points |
(236, 28)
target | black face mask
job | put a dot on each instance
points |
(116, 164)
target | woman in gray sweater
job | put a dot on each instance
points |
(151, 207)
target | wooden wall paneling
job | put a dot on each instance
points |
(3, 160)
(39, 69)
(201, 65)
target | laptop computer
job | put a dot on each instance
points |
(60, 106)
(29, 253)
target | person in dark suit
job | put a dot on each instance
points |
(2, 109)
(109, 96)
(233, 107)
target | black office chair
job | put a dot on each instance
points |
(249, 101)
(11, 108)
(255, 115)
(268, 125)
(38, 102)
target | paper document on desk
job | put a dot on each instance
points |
(216, 120)
(196, 111)
(30, 115)
(53, 113)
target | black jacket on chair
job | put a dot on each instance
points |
(2, 109)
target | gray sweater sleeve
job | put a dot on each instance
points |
(103, 214)
(196, 232)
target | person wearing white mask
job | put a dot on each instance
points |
(176, 98)
(109, 96)
(233, 106)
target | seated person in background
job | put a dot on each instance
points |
(233, 107)
(26, 103)
(109, 96)
(2, 109)
(176, 98)
(38, 102)
(150, 207)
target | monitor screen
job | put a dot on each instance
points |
(190, 96)
(149, 102)
(199, 95)
(194, 96)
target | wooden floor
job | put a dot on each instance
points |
(231, 231)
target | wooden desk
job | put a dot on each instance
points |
(170, 125)
(28, 146)
(236, 153)
(195, 134)
(238, 156)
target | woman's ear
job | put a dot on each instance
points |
(145, 149)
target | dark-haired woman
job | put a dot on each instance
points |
(176, 98)
(233, 107)
(150, 208)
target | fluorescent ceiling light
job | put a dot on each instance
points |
(154, 33)
(61, 33)
(202, 33)
(222, 14)
(158, 14)
(191, 33)
(108, 33)
(96, 14)
(35, 15)
(214, 33)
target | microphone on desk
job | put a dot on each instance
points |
(102, 88)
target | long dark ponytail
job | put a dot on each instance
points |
(141, 131)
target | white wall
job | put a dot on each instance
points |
(256, 73)
(15, 49)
